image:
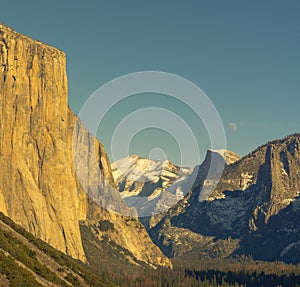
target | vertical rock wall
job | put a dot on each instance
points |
(40, 187)
(36, 189)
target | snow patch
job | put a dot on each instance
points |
(288, 248)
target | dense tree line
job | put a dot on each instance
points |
(255, 279)
(247, 273)
(233, 272)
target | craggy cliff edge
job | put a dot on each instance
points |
(38, 186)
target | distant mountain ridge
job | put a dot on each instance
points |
(152, 187)
(254, 209)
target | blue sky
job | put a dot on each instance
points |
(245, 55)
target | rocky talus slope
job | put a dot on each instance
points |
(39, 188)
(254, 209)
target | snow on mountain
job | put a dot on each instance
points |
(228, 156)
(151, 187)
(254, 209)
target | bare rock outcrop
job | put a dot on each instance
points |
(253, 210)
(39, 186)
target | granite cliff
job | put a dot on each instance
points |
(254, 209)
(34, 151)
(39, 188)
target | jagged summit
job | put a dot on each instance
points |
(228, 156)
(137, 168)
(253, 210)
(150, 186)
(153, 186)
(212, 167)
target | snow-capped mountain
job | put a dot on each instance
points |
(254, 209)
(151, 187)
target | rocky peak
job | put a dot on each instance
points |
(210, 171)
(228, 156)
(214, 163)
(279, 175)
(151, 187)
(253, 210)
(137, 171)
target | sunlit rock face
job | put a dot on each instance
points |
(35, 185)
(43, 146)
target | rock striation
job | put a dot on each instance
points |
(39, 187)
(35, 186)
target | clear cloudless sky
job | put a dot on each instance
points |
(245, 55)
